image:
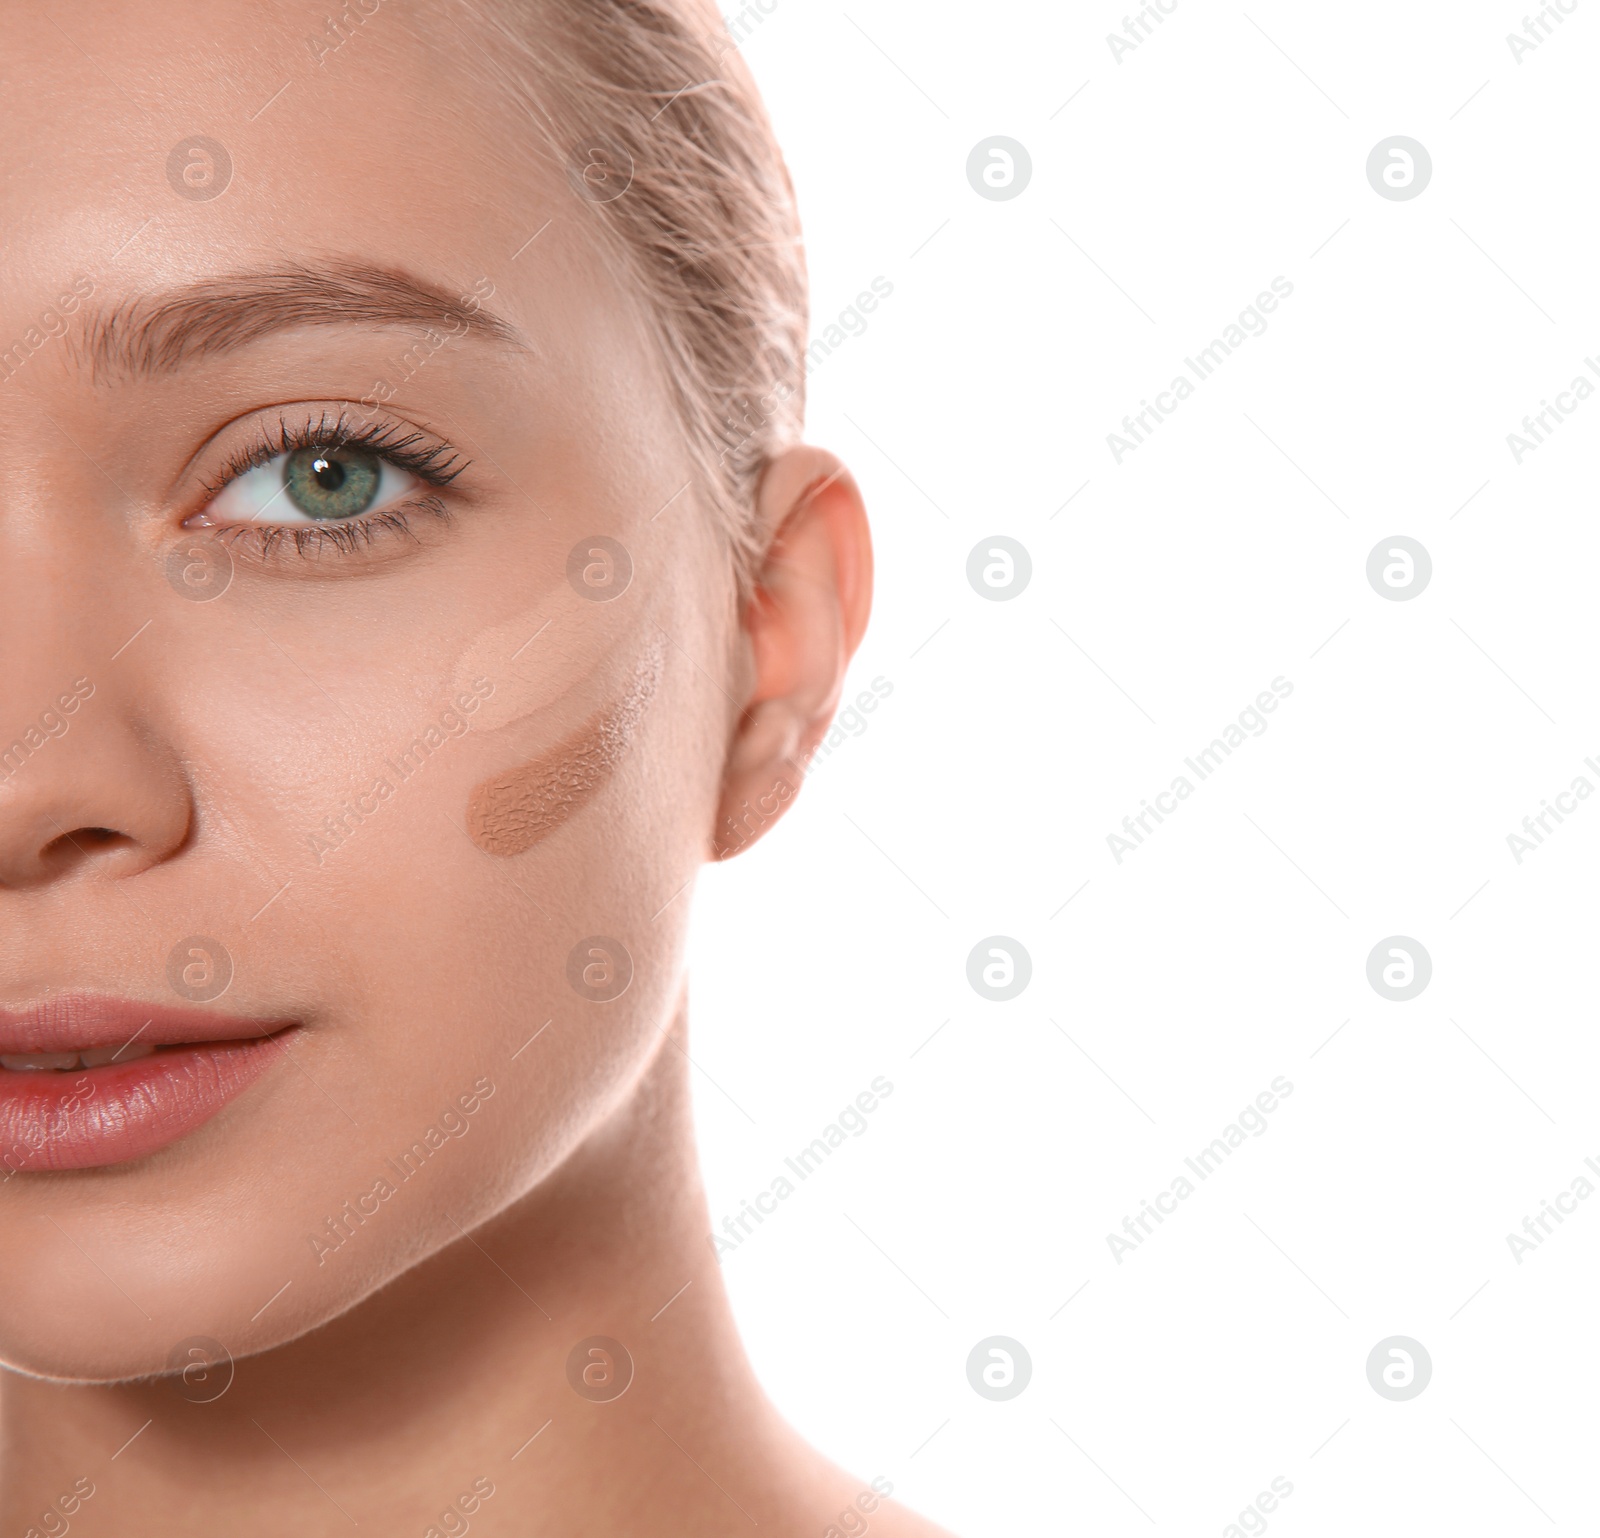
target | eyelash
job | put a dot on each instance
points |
(436, 464)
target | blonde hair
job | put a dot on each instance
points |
(653, 96)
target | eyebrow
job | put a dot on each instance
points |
(155, 334)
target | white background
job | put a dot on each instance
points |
(1167, 592)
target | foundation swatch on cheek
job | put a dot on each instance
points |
(511, 812)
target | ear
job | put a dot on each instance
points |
(801, 628)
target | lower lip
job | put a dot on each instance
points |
(73, 1119)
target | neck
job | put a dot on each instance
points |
(457, 1378)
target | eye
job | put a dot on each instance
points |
(320, 483)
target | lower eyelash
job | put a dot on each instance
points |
(346, 538)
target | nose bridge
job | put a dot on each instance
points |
(24, 739)
(66, 588)
(88, 778)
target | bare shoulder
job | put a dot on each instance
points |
(873, 1514)
(892, 1520)
(832, 1503)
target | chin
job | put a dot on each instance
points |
(70, 1323)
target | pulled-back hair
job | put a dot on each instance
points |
(651, 95)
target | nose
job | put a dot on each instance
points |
(90, 782)
(86, 788)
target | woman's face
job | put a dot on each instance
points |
(388, 738)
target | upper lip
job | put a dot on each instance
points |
(81, 1021)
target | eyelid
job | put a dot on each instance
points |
(426, 456)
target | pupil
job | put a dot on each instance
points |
(332, 483)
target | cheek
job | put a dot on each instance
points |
(550, 974)
(512, 811)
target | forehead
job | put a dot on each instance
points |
(146, 144)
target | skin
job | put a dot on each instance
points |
(511, 812)
(375, 1381)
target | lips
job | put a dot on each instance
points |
(88, 1081)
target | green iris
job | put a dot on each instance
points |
(330, 483)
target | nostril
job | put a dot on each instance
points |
(82, 842)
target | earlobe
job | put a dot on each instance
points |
(802, 626)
